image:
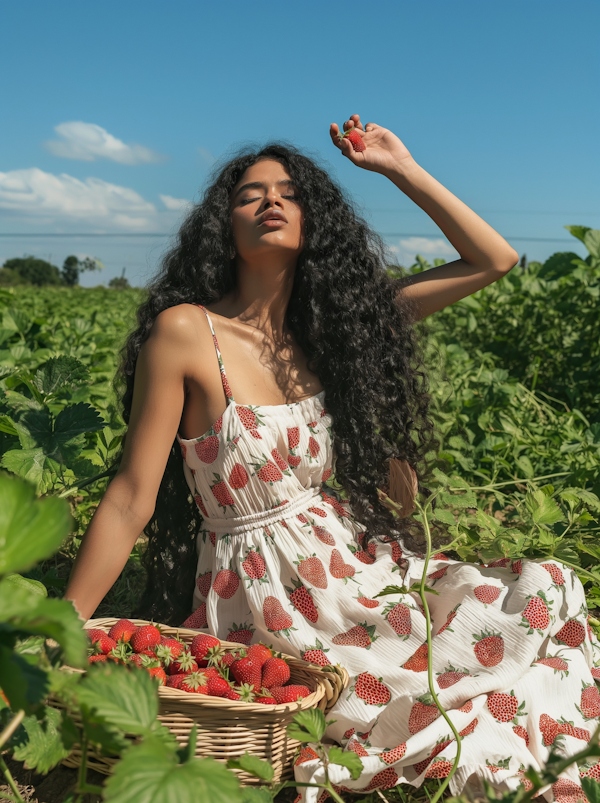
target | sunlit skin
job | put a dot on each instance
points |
(177, 380)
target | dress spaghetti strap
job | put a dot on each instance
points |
(226, 388)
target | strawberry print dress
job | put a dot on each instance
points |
(280, 561)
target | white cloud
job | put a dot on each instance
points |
(174, 204)
(427, 245)
(206, 155)
(88, 142)
(56, 199)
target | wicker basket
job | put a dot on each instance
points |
(227, 728)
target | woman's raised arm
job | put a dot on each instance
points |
(485, 256)
(129, 501)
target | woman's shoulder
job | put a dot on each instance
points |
(180, 323)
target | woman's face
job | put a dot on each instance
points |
(265, 215)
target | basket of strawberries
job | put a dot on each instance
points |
(240, 698)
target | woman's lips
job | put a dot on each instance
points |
(273, 223)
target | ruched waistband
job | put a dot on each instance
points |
(256, 521)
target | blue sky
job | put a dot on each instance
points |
(113, 114)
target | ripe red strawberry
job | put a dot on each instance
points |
(398, 617)
(218, 425)
(168, 650)
(213, 538)
(196, 682)
(247, 670)
(418, 661)
(238, 478)
(590, 702)
(305, 754)
(289, 694)
(448, 622)
(437, 575)
(242, 633)
(100, 658)
(217, 686)
(198, 500)
(197, 620)
(226, 583)
(360, 555)
(421, 766)
(338, 568)
(294, 460)
(145, 637)
(566, 791)
(312, 570)
(348, 733)
(174, 681)
(316, 655)
(500, 563)
(207, 449)
(503, 707)
(450, 676)
(548, 729)
(366, 602)
(572, 633)
(102, 642)
(313, 449)
(361, 635)
(393, 755)
(555, 572)
(356, 747)
(555, 662)
(371, 690)
(232, 694)
(279, 460)
(276, 618)
(254, 565)
(293, 434)
(275, 672)
(569, 729)
(595, 673)
(520, 731)
(318, 511)
(265, 699)
(355, 139)
(157, 672)
(489, 648)
(122, 630)
(588, 770)
(487, 594)
(516, 567)
(323, 535)
(267, 471)
(200, 646)
(337, 506)
(183, 665)
(302, 601)
(422, 714)
(203, 583)
(260, 653)
(385, 779)
(439, 768)
(221, 492)
(470, 728)
(467, 707)
(248, 417)
(536, 615)
(135, 659)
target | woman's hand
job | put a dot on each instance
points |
(384, 151)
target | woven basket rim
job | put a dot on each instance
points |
(206, 701)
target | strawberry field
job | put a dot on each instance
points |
(515, 375)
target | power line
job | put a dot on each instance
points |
(115, 235)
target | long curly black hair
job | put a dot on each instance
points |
(358, 338)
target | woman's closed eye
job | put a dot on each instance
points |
(245, 201)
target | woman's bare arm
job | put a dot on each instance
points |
(485, 256)
(129, 501)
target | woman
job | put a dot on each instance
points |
(275, 331)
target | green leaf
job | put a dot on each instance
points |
(444, 516)
(578, 231)
(60, 372)
(25, 684)
(592, 242)
(587, 497)
(24, 612)
(43, 747)
(307, 726)
(7, 425)
(254, 765)
(75, 420)
(16, 320)
(256, 794)
(30, 529)
(25, 582)
(591, 787)
(392, 590)
(543, 509)
(149, 773)
(347, 759)
(443, 479)
(112, 695)
(30, 464)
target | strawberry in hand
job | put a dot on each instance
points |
(371, 147)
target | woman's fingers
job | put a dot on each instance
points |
(334, 133)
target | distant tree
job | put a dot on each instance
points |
(33, 270)
(119, 282)
(73, 266)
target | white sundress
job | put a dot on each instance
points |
(280, 561)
